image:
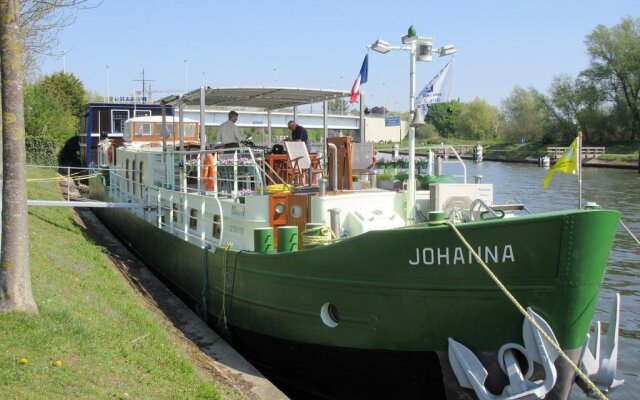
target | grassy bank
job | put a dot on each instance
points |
(623, 151)
(106, 343)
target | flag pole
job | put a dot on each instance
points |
(579, 168)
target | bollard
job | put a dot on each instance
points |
(263, 240)
(322, 187)
(335, 221)
(287, 239)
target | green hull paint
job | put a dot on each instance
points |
(552, 262)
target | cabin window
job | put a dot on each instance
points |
(143, 129)
(169, 129)
(126, 173)
(140, 176)
(117, 120)
(190, 130)
(216, 227)
(166, 212)
(175, 211)
(143, 113)
(133, 176)
(193, 219)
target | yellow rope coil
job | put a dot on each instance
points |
(524, 312)
(317, 236)
(278, 188)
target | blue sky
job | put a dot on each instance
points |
(320, 44)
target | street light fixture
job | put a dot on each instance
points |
(381, 46)
(420, 49)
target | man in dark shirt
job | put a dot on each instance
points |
(299, 134)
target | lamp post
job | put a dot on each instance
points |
(185, 75)
(108, 87)
(420, 48)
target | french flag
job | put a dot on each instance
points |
(360, 80)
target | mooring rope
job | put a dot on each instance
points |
(223, 313)
(205, 285)
(524, 312)
(61, 178)
(630, 233)
(318, 236)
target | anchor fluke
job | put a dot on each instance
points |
(471, 373)
(599, 359)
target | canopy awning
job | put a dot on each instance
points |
(257, 97)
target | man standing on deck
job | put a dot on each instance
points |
(228, 133)
(299, 134)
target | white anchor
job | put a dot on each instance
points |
(471, 373)
(599, 359)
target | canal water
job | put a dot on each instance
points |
(616, 189)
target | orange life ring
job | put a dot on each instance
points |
(110, 154)
(209, 172)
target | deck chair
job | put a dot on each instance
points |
(300, 170)
(363, 160)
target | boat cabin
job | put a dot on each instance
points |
(149, 130)
(106, 120)
(210, 197)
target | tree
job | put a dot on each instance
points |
(479, 120)
(41, 22)
(524, 114)
(52, 108)
(338, 106)
(444, 117)
(47, 124)
(379, 110)
(615, 65)
(67, 88)
(576, 106)
(15, 276)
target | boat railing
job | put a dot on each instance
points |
(445, 152)
(175, 214)
(123, 185)
(479, 209)
(225, 172)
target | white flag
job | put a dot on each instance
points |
(434, 92)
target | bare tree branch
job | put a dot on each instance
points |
(41, 23)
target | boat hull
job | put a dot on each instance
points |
(394, 297)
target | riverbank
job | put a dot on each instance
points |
(101, 331)
(622, 155)
(593, 162)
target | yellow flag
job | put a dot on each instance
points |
(568, 163)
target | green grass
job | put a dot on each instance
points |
(110, 345)
(499, 149)
(619, 157)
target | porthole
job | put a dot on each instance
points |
(279, 208)
(296, 211)
(329, 315)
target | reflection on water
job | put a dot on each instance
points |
(611, 188)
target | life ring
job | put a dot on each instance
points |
(209, 172)
(110, 154)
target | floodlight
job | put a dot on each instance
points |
(424, 52)
(381, 46)
(446, 50)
